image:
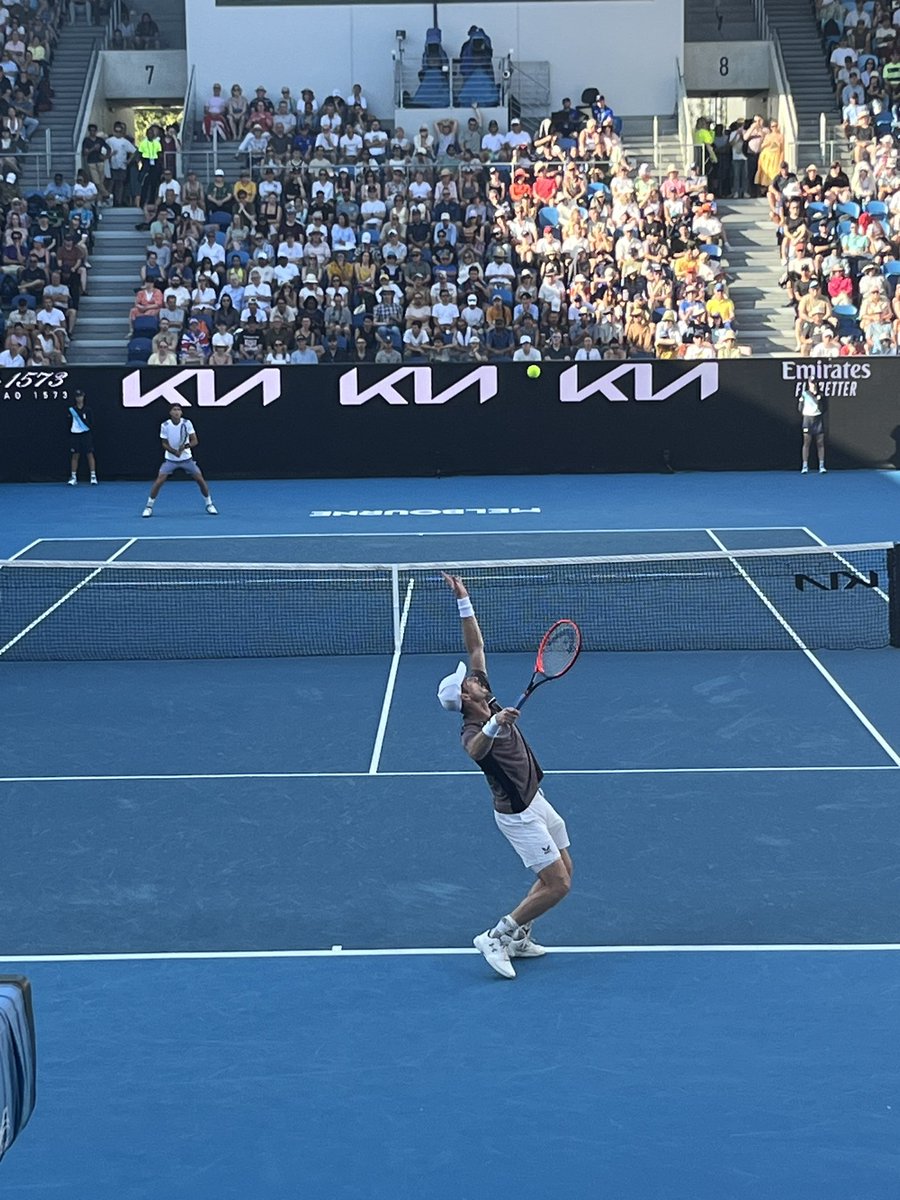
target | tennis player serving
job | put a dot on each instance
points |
(178, 442)
(522, 813)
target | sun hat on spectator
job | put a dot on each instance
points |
(515, 121)
(524, 338)
(445, 216)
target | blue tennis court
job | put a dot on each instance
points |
(245, 889)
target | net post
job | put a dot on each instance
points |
(395, 608)
(893, 558)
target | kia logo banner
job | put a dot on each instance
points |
(356, 421)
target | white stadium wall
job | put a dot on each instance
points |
(626, 48)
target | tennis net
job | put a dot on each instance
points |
(843, 597)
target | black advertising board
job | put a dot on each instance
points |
(342, 421)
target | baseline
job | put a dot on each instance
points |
(413, 533)
(444, 951)
(474, 772)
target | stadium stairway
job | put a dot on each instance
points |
(67, 75)
(809, 77)
(719, 21)
(103, 330)
(764, 324)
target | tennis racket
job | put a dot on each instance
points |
(557, 653)
(183, 437)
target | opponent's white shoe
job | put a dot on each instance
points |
(212, 510)
(148, 512)
(495, 954)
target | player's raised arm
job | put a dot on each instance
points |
(471, 630)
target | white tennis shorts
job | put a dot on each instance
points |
(537, 835)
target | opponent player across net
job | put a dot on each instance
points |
(522, 813)
(178, 439)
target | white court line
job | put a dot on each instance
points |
(845, 561)
(69, 594)
(474, 773)
(30, 546)
(823, 671)
(444, 951)
(414, 533)
(392, 673)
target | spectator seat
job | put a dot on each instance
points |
(849, 208)
(434, 77)
(548, 216)
(145, 327)
(139, 349)
(846, 317)
(30, 300)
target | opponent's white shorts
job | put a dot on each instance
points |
(537, 835)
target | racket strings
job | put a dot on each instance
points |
(559, 649)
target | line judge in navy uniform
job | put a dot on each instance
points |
(81, 437)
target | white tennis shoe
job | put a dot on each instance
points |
(524, 947)
(212, 510)
(148, 512)
(495, 954)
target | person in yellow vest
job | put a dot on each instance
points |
(150, 168)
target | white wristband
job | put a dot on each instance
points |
(464, 604)
(491, 728)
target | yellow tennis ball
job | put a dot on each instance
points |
(534, 371)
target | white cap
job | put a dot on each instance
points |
(449, 689)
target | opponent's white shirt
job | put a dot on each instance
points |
(172, 434)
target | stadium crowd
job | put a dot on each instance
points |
(838, 226)
(46, 236)
(335, 239)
